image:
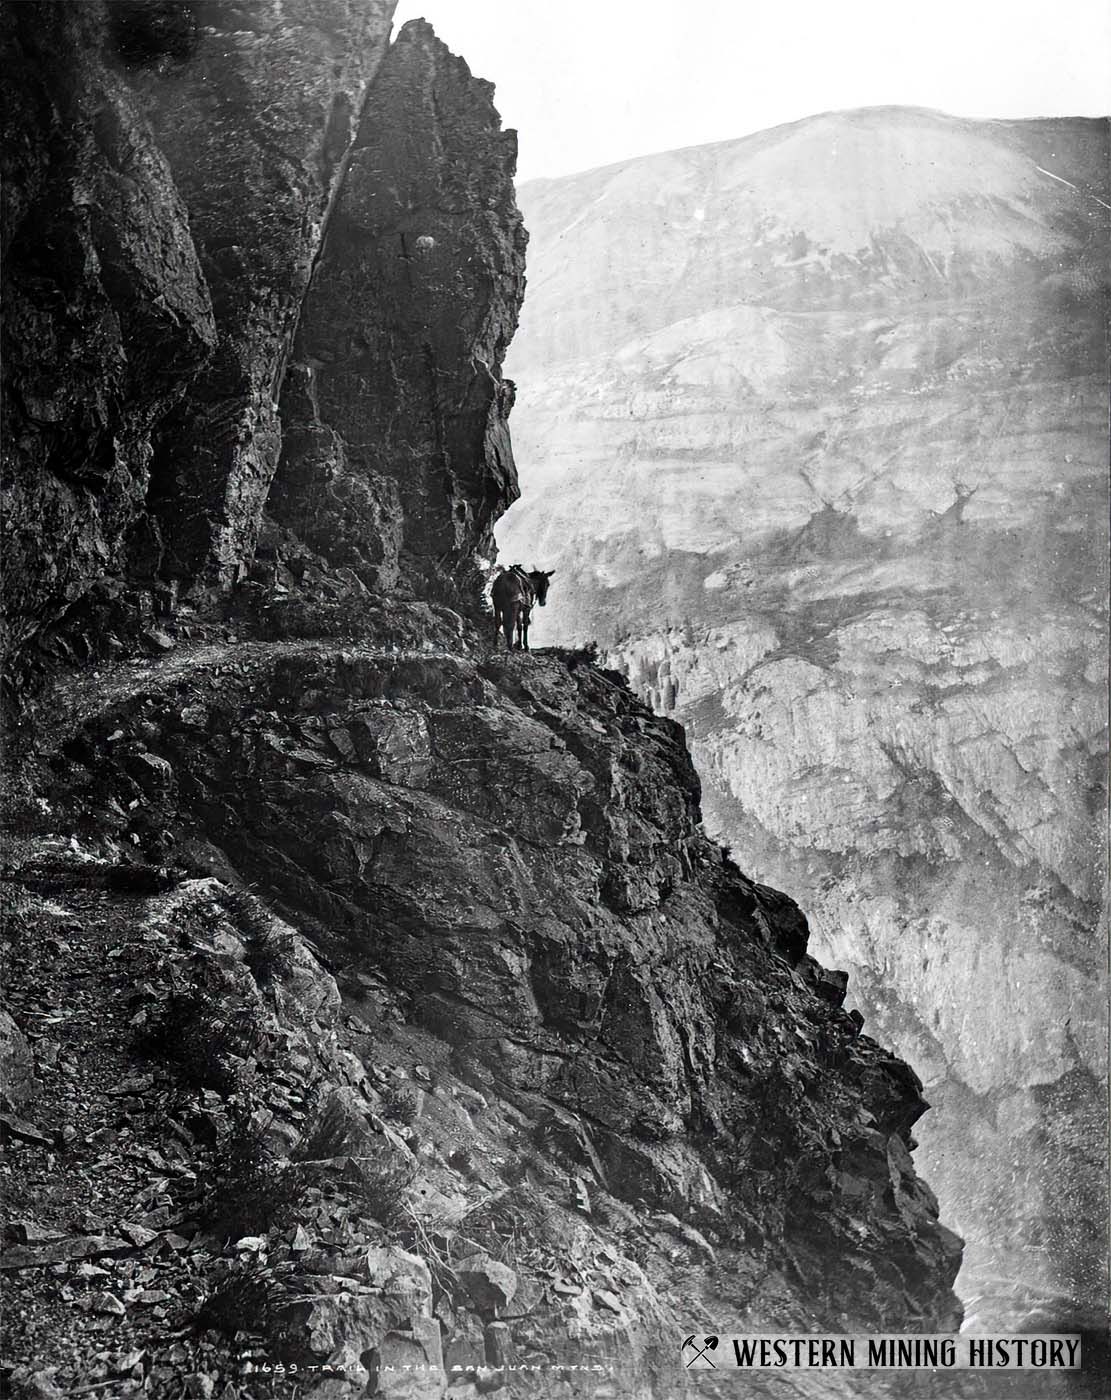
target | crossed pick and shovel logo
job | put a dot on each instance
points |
(696, 1353)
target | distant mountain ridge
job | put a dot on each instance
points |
(814, 426)
(778, 219)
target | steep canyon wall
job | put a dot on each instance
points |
(836, 394)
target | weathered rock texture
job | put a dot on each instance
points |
(503, 861)
(396, 441)
(591, 1086)
(190, 177)
(107, 314)
(837, 396)
(17, 1064)
(257, 127)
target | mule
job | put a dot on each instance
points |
(513, 595)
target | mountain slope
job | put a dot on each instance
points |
(377, 1012)
(842, 211)
(813, 425)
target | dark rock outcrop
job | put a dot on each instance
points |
(530, 1067)
(396, 445)
(17, 1064)
(514, 847)
(190, 175)
(257, 129)
(107, 315)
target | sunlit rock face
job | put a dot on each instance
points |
(813, 427)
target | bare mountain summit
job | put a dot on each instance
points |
(815, 424)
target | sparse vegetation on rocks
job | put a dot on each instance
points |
(250, 1189)
(269, 948)
(209, 1040)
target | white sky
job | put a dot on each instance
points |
(588, 82)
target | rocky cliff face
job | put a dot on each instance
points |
(107, 313)
(621, 1051)
(377, 1002)
(151, 493)
(395, 405)
(264, 102)
(837, 394)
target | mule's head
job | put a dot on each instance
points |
(540, 582)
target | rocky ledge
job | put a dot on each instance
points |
(376, 1002)
(592, 1086)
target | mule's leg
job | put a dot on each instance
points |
(508, 618)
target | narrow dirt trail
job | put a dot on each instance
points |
(71, 700)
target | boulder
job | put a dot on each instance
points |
(404, 1279)
(410, 1363)
(17, 1064)
(491, 1285)
(394, 1322)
